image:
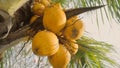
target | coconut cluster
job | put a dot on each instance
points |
(58, 40)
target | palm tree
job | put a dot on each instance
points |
(91, 53)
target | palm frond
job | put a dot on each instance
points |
(113, 6)
(91, 54)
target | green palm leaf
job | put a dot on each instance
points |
(91, 54)
(113, 5)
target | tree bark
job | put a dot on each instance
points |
(22, 32)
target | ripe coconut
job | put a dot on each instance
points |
(45, 43)
(38, 8)
(74, 29)
(72, 47)
(33, 18)
(60, 59)
(71, 21)
(57, 5)
(54, 18)
(45, 2)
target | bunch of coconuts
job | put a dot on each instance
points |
(58, 40)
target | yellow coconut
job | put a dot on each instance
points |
(33, 18)
(71, 21)
(60, 59)
(45, 43)
(72, 47)
(74, 31)
(45, 2)
(58, 5)
(38, 8)
(54, 18)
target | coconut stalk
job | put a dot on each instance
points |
(21, 24)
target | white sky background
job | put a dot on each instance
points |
(108, 31)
